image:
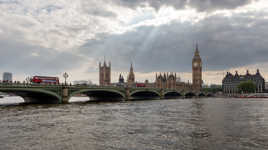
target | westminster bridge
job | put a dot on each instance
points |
(36, 93)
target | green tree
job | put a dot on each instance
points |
(212, 90)
(247, 87)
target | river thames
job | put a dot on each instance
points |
(186, 124)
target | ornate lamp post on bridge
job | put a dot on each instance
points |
(28, 80)
(65, 76)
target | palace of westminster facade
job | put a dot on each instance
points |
(162, 80)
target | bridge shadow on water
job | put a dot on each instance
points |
(190, 95)
(173, 95)
(104, 96)
(145, 95)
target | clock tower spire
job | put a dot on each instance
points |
(197, 70)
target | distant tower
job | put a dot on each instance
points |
(197, 70)
(131, 76)
(7, 76)
(121, 79)
(105, 74)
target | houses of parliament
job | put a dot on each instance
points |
(162, 80)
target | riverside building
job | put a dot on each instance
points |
(230, 82)
(7, 77)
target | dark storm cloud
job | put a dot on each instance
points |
(224, 42)
(233, 42)
(210, 5)
(21, 58)
(200, 5)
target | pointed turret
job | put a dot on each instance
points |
(247, 72)
(131, 75)
(258, 72)
(196, 54)
(121, 79)
(131, 68)
(196, 48)
(104, 64)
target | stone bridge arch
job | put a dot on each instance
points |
(34, 95)
(145, 94)
(100, 94)
(201, 94)
(189, 94)
(172, 94)
(209, 94)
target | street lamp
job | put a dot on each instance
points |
(28, 79)
(65, 76)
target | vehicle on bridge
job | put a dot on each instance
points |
(45, 80)
(140, 85)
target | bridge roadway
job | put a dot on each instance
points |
(35, 93)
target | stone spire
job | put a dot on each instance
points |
(247, 72)
(258, 72)
(121, 79)
(196, 54)
(131, 75)
(104, 62)
(131, 68)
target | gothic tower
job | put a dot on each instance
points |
(104, 74)
(197, 71)
(131, 76)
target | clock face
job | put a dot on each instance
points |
(195, 64)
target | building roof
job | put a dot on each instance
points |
(232, 78)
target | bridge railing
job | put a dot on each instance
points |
(32, 85)
(19, 84)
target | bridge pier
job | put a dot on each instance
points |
(162, 94)
(127, 94)
(65, 95)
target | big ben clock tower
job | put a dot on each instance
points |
(197, 71)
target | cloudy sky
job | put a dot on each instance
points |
(48, 37)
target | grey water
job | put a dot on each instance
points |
(181, 124)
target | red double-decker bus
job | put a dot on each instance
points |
(45, 80)
(140, 85)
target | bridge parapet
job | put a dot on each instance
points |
(62, 93)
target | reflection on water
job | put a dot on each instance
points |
(10, 100)
(198, 124)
